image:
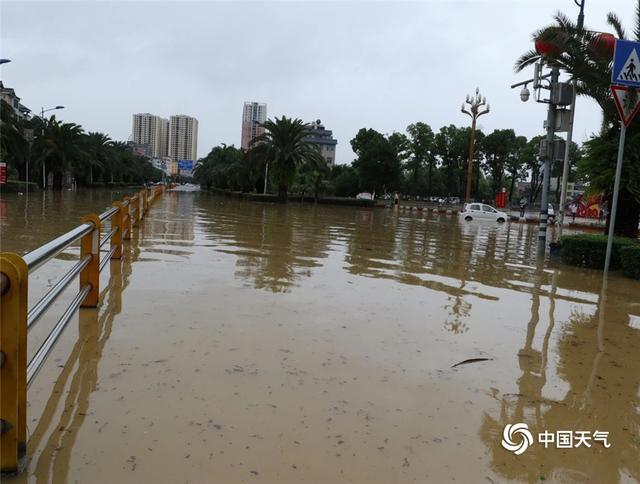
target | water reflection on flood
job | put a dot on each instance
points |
(248, 342)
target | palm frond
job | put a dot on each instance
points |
(636, 29)
(564, 22)
(525, 60)
(616, 23)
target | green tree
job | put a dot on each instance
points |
(452, 148)
(344, 181)
(423, 152)
(516, 163)
(58, 148)
(377, 162)
(580, 53)
(284, 147)
(223, 167)
(500, 147)
(97, 150)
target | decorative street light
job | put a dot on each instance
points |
(474, 111)
(5, 61)
(44, 166)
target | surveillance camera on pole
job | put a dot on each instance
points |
(524, 94)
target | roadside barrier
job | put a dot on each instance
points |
(16, 319)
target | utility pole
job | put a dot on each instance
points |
(544, 201)
(475, 103)
(565, 166)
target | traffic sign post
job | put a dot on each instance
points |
(626, 63)
(614, 201)
(625, 72)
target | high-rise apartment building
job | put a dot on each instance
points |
(152, 131)
(324, 140)
(253, 115)
(183, 140)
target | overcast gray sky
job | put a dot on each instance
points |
(380, 65)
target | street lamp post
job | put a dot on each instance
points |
(44, 166)
(28, 135)
(474, 111)
(565, 165)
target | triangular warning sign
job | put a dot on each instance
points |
(630, 72)
(627, 108)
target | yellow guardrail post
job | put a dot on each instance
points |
(135, 210)
(126, 219)
(90, 245)
(141, 205)
(145, 200)
(13, 362)
(116, 239)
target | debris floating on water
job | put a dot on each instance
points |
(471, 360)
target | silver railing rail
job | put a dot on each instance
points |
(40, 256)
(16, 319)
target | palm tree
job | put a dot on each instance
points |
(582, 54)
(97, 152)
(224, 167)
(585, 56)
(284, 147)
(58, 146)
(13, 145)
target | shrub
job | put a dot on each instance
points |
(630, 260)
(589, 250)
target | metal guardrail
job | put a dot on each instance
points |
(16, 319)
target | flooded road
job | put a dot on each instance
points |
(241, 342)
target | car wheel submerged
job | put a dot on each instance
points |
(468, 218)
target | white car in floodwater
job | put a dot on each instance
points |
(482, 211)
(186, 187)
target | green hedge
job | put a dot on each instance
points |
(630, 260)
(589, 250)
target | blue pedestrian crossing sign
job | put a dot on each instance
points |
(626, 63)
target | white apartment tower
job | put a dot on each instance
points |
(152, 131)
(253, 115)
(183, 139)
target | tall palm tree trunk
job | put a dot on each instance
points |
(282, 193)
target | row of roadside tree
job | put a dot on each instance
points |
(417, 163)
(64, 150)
(420, 161)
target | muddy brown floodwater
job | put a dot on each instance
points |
(240, 342)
